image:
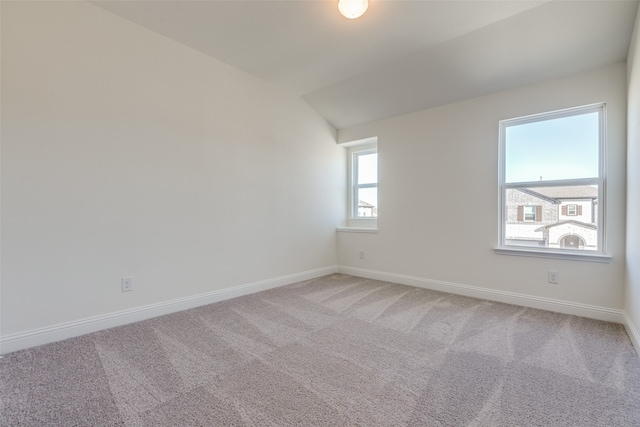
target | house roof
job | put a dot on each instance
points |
(539, 195)
(569, 221)
(561, 193)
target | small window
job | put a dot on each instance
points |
(551, 168)
(529, 213)
(364, 203)
(362, 185)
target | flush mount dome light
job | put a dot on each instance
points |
(353, 9)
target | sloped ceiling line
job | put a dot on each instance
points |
(401, 56)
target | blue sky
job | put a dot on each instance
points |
(368, 173)
(368, 168)
(564, 148)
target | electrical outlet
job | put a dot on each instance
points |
(361, 254)
(127, 284)
(554, 277)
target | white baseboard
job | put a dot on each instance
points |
(559, 306)
(49, 334)
(632, 332)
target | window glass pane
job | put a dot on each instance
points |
(368, 168)
(556, 149)
(563, 217)
(367, 202)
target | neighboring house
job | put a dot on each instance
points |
(554, 217)
(367, 209)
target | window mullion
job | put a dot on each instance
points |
(558, 183)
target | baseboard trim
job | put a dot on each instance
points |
(632, 332)
(559, 306)
(49, 334)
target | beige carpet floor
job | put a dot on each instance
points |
(338, 350)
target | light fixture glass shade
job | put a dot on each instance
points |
(353, 9)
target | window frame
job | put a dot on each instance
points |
(600, 254)
(355, 223)
(356, 186)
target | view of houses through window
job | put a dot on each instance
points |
(554, 217)
(551, 180)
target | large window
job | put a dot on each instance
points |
(364, 189)
(552, 181)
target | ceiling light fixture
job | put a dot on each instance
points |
(353, 9)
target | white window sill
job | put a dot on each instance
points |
(573, 256)
(357, 230)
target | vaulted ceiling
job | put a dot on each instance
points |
(401, 56)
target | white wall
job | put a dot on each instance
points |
(632, 300)
(438, 198)
(127, 154)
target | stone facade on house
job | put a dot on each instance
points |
(553, 217)
(367, 209)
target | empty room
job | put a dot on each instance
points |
(319, 212)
